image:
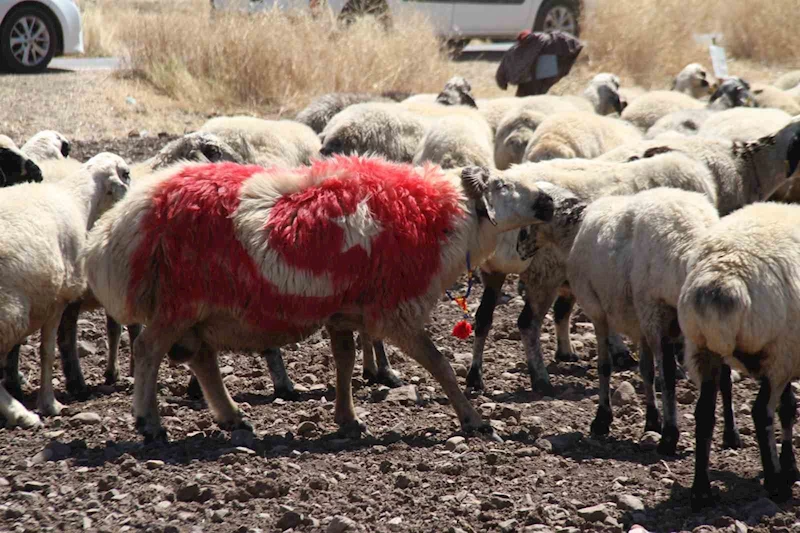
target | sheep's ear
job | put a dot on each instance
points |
(467, 99)
(570, 211)
(793, 155)
(474, 180)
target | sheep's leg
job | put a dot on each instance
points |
(114, 332)
(226, 413)
(777, 486)
(562, 311)
(193, 389)
(281, 382)
(620, 354)
(149, 349)
(379, 371)
(788, 413)
(537, 303)
(667, 362)
(343, 347)
(134, 330)
(68, 349)
(602, 420)
(13, 378)
(15, 413)
(493, 284)
(704, 414)
(47, 403)
(730, 436)
(647, 369)
(419, 347)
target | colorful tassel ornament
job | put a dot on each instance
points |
(463, 328)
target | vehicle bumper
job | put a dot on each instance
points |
(72, 30)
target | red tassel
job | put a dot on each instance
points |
(462, 329)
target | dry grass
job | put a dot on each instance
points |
(649, 41)
(280, 59)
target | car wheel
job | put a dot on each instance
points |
(28, 40)
(557, 15)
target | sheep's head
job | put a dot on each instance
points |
(693, 80)
(16, 167)
(457, 91)
(48, 144)
(732, 92)
(606, 78)
(111, 173)
(567, 216)
(513, 135)
(204, 148)
(507, 203)
(787, 146)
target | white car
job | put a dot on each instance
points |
(32, 32)
(459, 21)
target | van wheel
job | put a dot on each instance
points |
(28, 40)
(557, 15)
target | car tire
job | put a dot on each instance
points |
(36, 27)
(558, 15)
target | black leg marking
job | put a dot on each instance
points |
(281, 382)
(493, 284)
(788, 413)
(386, 374)
(562, 311)
(763, 419)
(701, 495)
(730, 437)
(68, 348)
(12, 380)
(193, 389)
(670, 433)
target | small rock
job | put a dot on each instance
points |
(219, 515)
(528, 452)
(153, 464)
(738, 526)
(351, 467)
(460, 370)
(538, 528)
(624, 395)
(687, 397)
(636, 528)
(243, 437)
(508, 526)
(630, 503)
(3, 482)
(290, 519)
(86, 523)
(34, 486)
(396, 523)
(402, 481)
(340, 524)
(86, 349)
(226, 370)
(564, 442)
(736, 377)
(595, 513)
(453, 442)
(318, 483)
(406, 395)
(307, 428)
(107, 483)
(544, 445)
(649, 441)
(85, 419)
(500, 500)
(510, 411)
(188, 493)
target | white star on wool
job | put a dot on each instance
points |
(359, 228)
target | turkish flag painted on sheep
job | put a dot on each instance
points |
(363, 232)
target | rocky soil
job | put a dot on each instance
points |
(88, 470)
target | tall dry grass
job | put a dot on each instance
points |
(281, 58)
(649, 41)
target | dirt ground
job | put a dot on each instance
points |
(95, 474)
(92, 473)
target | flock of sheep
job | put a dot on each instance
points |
(650, 209)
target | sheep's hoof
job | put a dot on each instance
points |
(50, 408)
(778, 487)
(241, 423)
(652, 420)
(193, 390)
(354, 429)
(112, 376)
(77, 389)
(788, 463)
(152, 433)
(485, 430)
(601, 425)
(287, 393)
(668, 445)
(622, 360)
(25, 420)
(731, 439)
(475, 380)
(390, 378)
(567, 357)
(543, 387)
(701, 498)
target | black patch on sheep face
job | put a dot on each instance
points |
(526, 243)
(66, 148)
(715, 296)
(793, 155)
(752, 362)
(656, 150)
(544, 207)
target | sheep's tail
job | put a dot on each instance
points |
(712, 309)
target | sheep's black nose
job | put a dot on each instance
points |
(65, 148)
(33, 172)
(326, 151)
(543, 207)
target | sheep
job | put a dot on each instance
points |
(787, 81)
(46, 145)
(283, 142)
(457, 141)
(772, 97)
(648, 108)
(578, 134)
(42, 271)
(323, 108)
(626, 267)
(743, 123)
(602, 94)
(457, 91)
(629, 94)
(15, 166)
(693, 81)
(518, 125)
(543, 274)
(137, 257)
(738, 306)
(742, 173)
(387, 130)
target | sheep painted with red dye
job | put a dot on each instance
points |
(226, 256)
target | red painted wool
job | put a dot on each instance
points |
(189, 242)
